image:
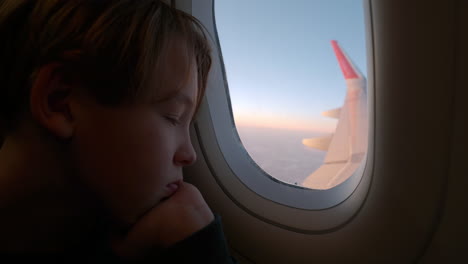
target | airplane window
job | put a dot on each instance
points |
(297, 84)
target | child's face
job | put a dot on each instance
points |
(129, 156)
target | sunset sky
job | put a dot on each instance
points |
(281, 69)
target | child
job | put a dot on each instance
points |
(97, 97)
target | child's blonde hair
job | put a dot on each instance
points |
(110, 47)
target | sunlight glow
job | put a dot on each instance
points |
(284, 122)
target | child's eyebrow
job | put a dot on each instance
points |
(181, 99)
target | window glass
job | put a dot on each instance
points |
(287, 64)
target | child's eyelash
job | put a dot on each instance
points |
(173, 119)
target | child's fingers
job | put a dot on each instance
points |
(172, 220)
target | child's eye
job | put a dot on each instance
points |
(173, 120)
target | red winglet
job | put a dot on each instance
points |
(345, 65)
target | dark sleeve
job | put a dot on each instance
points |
(208, 245)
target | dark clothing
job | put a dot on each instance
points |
(208, 245)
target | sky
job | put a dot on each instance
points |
(281, 69)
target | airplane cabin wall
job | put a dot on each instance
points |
(415, 209)
(450, 241)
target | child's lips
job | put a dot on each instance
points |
(171, 189)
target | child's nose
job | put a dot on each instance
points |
(186, 155)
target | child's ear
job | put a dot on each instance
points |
(50, 101)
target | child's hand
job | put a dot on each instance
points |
(172, 220)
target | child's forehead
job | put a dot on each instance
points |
(173, 70)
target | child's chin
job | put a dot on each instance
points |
(128, 219)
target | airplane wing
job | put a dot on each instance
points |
(348, 145)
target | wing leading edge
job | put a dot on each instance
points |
(348, 145)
